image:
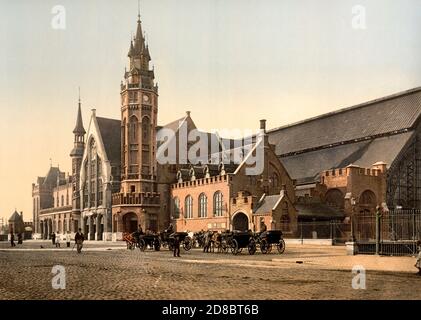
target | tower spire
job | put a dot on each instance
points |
(79, 129)
(138, 10)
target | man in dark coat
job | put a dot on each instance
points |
(176, 246)
(12, 240)
(20, 238)
(79, 238)
(53, 238)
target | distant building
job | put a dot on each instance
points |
(16, 224)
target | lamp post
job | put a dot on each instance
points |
(353, 203)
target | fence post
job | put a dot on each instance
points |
(378, 215)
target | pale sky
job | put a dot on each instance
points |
(230, 62)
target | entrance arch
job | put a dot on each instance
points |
(240, 222)
(130, 222)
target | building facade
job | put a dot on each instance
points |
(325, 168)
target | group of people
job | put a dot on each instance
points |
(12, 239)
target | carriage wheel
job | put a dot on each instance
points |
(170, 246)
(142, 245)
(281, 246)
(269, 248)
(224, 247)
(252, 247)
(264, 246)
(187, 243)
(234, 246)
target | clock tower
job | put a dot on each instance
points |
(139, 109)
(138, 202)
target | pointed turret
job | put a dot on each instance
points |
(76, 154)
(79, 129)
(139, 40)
(131, 50)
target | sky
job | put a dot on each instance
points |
(229, 62)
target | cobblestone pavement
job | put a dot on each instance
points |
(302, 272)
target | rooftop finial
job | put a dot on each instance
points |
(79, 94)
(138, 10)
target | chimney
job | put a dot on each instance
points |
(21, 214)
(188, 113)
(93, 112)
(263, 125)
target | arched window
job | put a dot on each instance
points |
(203, 205)
(62, 200)
(188, 207)
(176, 202)
(275, 180)
(335, 198)
(133, 129)
(145, 130)
(67, 199)
(368, 198)
(217, 204)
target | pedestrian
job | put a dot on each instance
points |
(12, 240)
(20, 238)
(418, 263)
(58, 241)
(176, 245)
(79, 238)
(53, 238)
(68, 239)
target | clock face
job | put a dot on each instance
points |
(145, 98)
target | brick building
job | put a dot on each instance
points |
(323, 168)
(223, 196)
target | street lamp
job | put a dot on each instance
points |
(353, 203)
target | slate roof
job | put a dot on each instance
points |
(15, 217)
(318, 210)
(386, 115)
(110, 130)
(306, 167)
(267, 204)
(374, 131)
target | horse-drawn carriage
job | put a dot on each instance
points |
(268, 239)
(149, 240)
(236, 241)
(167, 240)
(131, 241)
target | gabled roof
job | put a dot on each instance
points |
(306, 167)
(15, 217)
(388, 115)
(110, 130)
(268, 203)
(51, 176)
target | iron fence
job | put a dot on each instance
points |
(394, 233)
(338, 231)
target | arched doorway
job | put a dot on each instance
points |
(240, 222)
(130, 222)
(335, 198)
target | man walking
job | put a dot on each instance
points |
(12, 240)
(176, 246)
(79, 238)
